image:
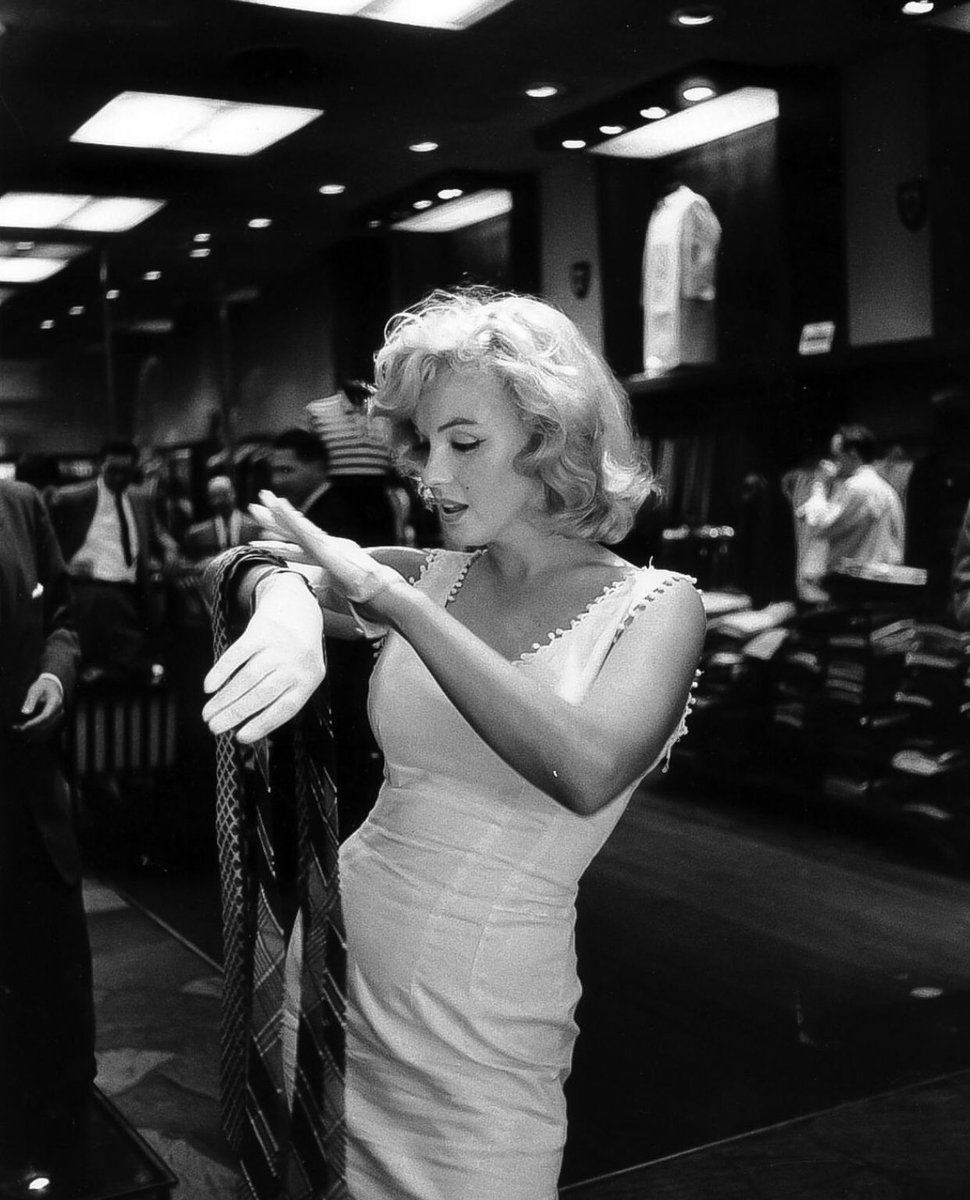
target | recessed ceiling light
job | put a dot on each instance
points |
(260, 223)
(191, 124)
(423, 147)
(112, 294)
(457, 214)
(420, 204)
(730, 113)
(202, 237)
(48, 324)
(573, 144)
(333, 189)
(612, 130)
(450, 193)
(86, 214)
(200, 252)
(918, 8)
(697, 92)
(543, 91)
(152, 276)
(432, 14)
(655, 112)
(76, 310)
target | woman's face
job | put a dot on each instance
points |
(468, 436)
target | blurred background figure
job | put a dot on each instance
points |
(859, 516)
(357, 504)
(40, 471)
(365, 500)
(299, 472)
(46, 1006)
(227, 526)
(811, 477)
(961, 574)
(110, 537)
(938, 494)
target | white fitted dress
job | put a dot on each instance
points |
(458, 894)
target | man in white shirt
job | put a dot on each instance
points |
(109, 536)
(228, 526)
(861, 517)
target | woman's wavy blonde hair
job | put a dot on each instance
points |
(580, 445)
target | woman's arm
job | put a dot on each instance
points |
(275, 665)
(582, 755)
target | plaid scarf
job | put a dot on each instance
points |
(276, 825)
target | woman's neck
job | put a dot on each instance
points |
(532, 557)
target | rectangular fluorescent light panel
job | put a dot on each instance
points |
(456, 214)
(431, 14)
(37, 263)
(705, 122)
(85, 214)
(23, 269)
(192, 124)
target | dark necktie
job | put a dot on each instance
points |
(276, 828)
(125, 531)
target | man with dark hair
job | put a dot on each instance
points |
(109, 535)
(46, 1011)
(227, 526)
(861, 517)
(298, 464)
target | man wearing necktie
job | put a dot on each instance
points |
(227, 527)
(46, 1010)
(109, 536)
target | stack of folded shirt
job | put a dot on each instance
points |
(934, 683)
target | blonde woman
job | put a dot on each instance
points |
(528, 680)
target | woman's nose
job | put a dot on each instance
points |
(437, 470)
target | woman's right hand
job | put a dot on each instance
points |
(350, 570)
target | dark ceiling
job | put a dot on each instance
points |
(383, 86)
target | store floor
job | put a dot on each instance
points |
(745, 969)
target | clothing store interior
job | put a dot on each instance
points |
(756, 213)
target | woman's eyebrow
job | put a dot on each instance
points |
(457, 421)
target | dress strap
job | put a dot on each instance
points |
(443, 572)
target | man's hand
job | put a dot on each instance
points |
(269, 673)
(43, 708)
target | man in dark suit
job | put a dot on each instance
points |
(299, 469)
(46, 1011)
(227, 527)
(299, 472)
(109, 536)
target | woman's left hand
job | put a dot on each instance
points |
(350, 570)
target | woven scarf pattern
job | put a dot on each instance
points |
(277, 842)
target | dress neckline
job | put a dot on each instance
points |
(555, 635)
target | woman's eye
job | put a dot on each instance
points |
(464, 447)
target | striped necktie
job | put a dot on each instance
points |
(124, 529)
(276, 829)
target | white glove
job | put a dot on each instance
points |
(269, 673)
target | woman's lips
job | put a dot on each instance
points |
(451, 508)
